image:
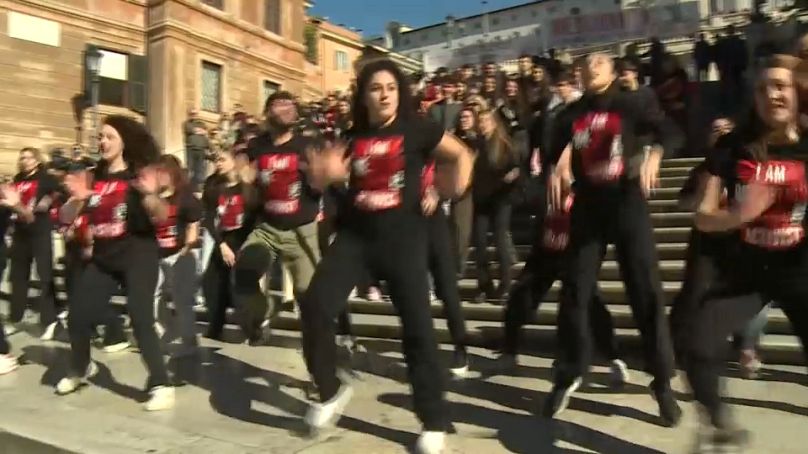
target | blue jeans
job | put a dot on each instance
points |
(749, 337)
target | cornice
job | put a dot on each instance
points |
(231, 20)
(219, 49)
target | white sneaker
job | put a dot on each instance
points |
(68, 385)
(50, 330)
(430, 443)
(374, 294)
(326, 414)
(433, 298)
(619, 372)
(159, 329)
(115, 348)
(10, 329)
(160, 398)
(8, 364)
(354, 294)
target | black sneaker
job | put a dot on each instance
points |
(261, 336)
(559, 398)
(669, 409)
(460, 363)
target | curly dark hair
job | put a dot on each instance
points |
(140, 149)
(360, 109)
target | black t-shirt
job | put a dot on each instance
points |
(384, 191)
(229, 210)
(32, 189)
(287, 200)
(782, 225)
(119, 222)
(183, 209)
(608, 135)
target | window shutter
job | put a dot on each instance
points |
(138, 80)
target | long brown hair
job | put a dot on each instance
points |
(757, 131)
(498, 147)
(171, 165)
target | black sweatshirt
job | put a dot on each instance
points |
(607, 137)
(488, 185)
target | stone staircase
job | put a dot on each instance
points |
(484, 321)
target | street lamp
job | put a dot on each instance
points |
(92, 61)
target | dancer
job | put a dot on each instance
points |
(122, 209)
(287, 225)
(442, 267)
(610, 206)
(462, 208)
(8, 362)
(763, 168)
(230, 205)
(383, 229)
(177, 236)
(31, 241)
(547, 263)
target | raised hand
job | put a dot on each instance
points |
(147, 181)
(10, 196)
(328, 166)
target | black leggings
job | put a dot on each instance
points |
(732, 302)
(496, 215)
(618, 215)
(442, 268)
(217, 286)
(74, 263)
(5, 348)
(400, 258)
(89, 307)
(542, 269)
(26, 247)
(326, 229)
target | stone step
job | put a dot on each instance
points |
(665, 251)
(669, 270)
(546, 314)
(680, 162)
(668, 219)
(776, 348)
(661, 235)
(611, 291)
(670, 171)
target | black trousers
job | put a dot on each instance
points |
(217, 286)
(89, 306)
(326, 229)
(74, 263)
(27, 246)
(737, 297)
(618, 215)
(460, 219)
(399, 256)
(541, 270)
(442, 268)
(496, 216)
(5, 348)
(706, 254)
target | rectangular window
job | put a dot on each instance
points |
(211, 87)
(34, 29)
(341, 61)
(269, 88)
(218, 4)
(272, 16)
(122, 80)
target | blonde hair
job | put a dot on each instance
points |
(499, 147)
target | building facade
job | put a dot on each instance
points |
(159, 59)
(331, 61)
(572, 25)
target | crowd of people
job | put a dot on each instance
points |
(392, 186)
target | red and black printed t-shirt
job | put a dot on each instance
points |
(286, 199)
(556, 226)
(32, 188)
(116, 215)
(782, 225)
(386, 170)
(183, 209)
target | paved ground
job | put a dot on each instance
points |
(249, 400)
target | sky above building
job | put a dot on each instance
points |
(371, 16)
